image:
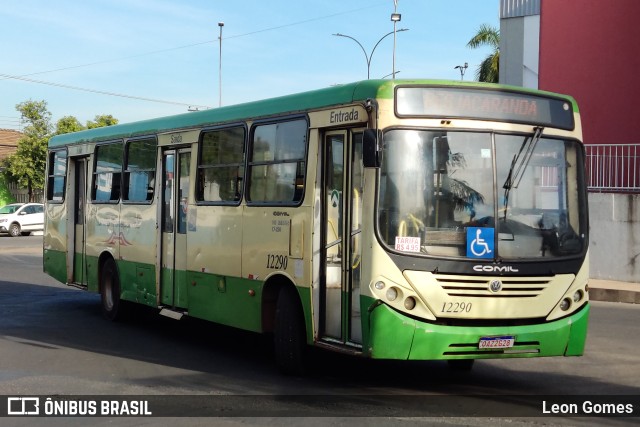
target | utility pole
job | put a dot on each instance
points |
(220, 24)
(395, 18)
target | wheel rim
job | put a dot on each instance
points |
(15, 230)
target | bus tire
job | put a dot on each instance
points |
(112, 307)
(289, 333)
(461, 365)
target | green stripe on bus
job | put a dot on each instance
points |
(289, 104)
(55, 264)
(395, 336)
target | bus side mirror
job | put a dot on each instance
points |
(371, 152)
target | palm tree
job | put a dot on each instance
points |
(488, 70)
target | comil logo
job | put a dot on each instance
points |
(495, 268)
(23, 406)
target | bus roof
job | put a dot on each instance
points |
(335, 95)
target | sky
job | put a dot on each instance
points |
(140, 59)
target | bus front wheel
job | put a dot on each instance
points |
(112, 306)
(289, 333)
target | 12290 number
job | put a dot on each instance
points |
(456, 307)
(277, 262)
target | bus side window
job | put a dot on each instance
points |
(277, 163)
(221, 166)
(57, 176)
(108, 172)
(140, 170)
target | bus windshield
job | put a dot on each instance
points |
(478, 195)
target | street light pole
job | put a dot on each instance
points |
(220, 24)
(395, 18)
(462, 68)
(369, 56)
(366, 57)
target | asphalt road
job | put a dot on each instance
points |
(54, 341)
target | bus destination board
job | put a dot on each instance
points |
(484, 104)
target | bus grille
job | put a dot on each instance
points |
(471, 349)
(512, 287)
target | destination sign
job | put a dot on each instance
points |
(484, 104)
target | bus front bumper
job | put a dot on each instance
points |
(395, 336)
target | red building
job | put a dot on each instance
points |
(589, 49)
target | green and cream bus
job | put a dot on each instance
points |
(392, 219)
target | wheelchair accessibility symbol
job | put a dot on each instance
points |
(480, 242)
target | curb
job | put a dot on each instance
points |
(614, 291)
(614, 295)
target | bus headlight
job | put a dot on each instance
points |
(565, 304)
(577, 296)
(410, 303)
(400, 296)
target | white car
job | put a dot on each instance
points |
(21, 218)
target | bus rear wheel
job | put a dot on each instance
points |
(112, 307)
(290, 333)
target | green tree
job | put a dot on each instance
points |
(27, 165)
(489, 69)
(68, 124)
(102, 121)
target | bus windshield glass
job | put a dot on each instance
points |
(477, 195)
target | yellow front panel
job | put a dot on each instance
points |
(470, 297)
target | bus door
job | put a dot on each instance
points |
(78, 249)
(342, 215)
(174, 206)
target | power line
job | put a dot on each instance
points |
(320, 18)
(90, 64)
(102, 92)
(11, 122)
(25, 77)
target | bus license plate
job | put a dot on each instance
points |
(497, 342)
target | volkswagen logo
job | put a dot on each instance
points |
(495, 286)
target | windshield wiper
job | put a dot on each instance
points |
(521, 160)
